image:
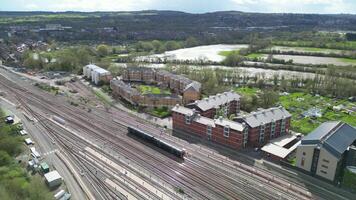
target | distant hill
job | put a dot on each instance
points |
(166, 25)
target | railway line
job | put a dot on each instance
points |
(198, 176)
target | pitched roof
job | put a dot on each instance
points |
(183, 110)
(193, 85)
(216, 100)
(101, 70)
(231, 124)
(207, 121)
(335, 137)
(123, 85)
(319, 133)
(265, 116)
(204, 120)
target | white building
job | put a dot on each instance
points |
(96, 74)
(323, 152)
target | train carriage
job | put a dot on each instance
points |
(156, 142)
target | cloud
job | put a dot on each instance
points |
(196, 6)
(296, 6)
(78, 5)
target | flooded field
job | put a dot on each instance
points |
(316, 60)
(307, 49)
(245, 71)
(209, 52)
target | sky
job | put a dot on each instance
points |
(192, 6)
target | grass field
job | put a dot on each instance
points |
(226, 53)
(246, 90)
(349, 45)
(348, 60)
(146, 89)
(255, 55)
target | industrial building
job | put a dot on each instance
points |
(96, 74)
(327, 150)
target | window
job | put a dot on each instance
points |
(302, 163)
(208, 130)
(324, 166)
(245, 135)
(322, 171)
(226, 131)
(262, 133)
(283, 126)
(187, 119)
(273, 129)
(327, 161)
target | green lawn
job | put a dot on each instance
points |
(226, 53)
(160, 112)
(146, 89)
(348, 60)
(255, 55)
(246, 90)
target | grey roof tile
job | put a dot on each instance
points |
(265, 116)
(216, 100)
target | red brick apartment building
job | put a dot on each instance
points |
(252, 130)
(224, 104)
(266, 124)
(220, 130)
(134, 97)
(189, 89)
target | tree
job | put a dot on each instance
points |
(268, 98)
(171, 45)
(246, 103)
(191, 42)
(157, 45)
(5, 158)
(233, 59)
(38, 190)
(102, 50)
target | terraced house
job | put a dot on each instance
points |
(253, 130)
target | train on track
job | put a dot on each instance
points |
(156, 142)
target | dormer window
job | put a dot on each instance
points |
(187, 119)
